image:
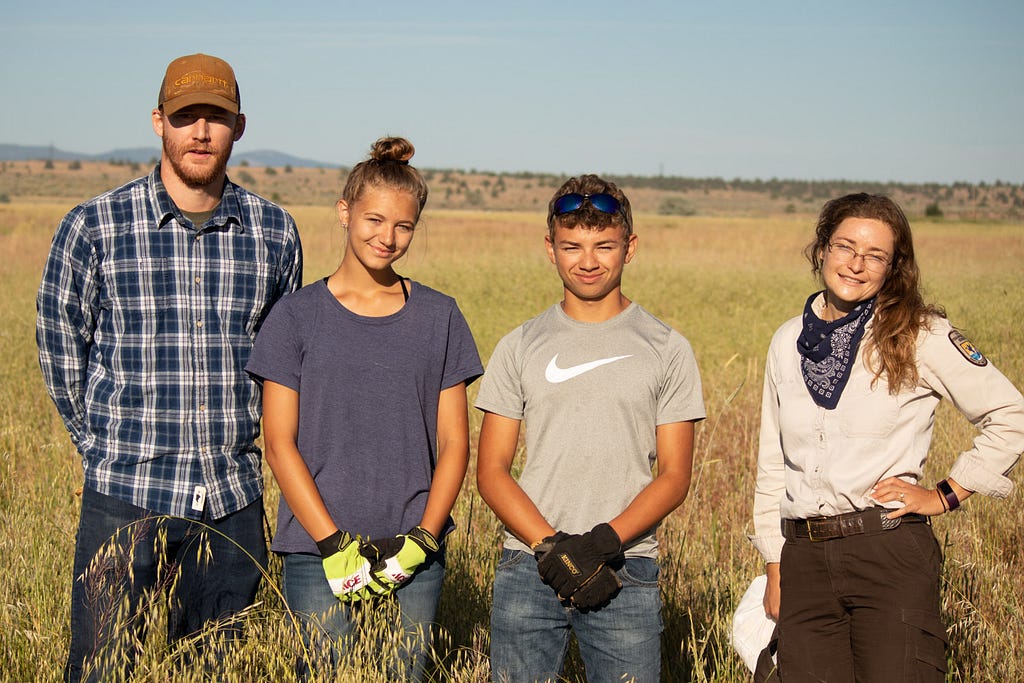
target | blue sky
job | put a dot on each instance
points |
(905, 91)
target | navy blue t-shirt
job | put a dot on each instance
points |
(368, 393)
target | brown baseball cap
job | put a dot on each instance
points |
(199, 79)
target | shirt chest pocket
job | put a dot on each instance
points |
(866, 413)
(138, 288)
(862, 412)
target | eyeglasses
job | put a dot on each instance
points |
(844, 253)
(605, 203)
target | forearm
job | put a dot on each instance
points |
(659, 498)
(772, 590)
(65, 325)
(513, 507)
(452, 458)
(452, 464)
(667, 490)
(499, 437)
(299, 490)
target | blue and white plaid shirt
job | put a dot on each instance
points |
(144, 327)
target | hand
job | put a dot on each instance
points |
(772, 590)
(913, 497)
(398, 558)
(575, 560)
(598, 591)
(545, 546)
(347, 571)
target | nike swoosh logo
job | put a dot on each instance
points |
(555, 374)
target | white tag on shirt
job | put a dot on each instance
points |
(199, 498)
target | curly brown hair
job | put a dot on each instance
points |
(900, 310)
(587, 216)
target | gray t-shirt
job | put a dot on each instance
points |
(368, 394)
(591, 396)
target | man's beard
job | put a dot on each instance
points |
(196, 176)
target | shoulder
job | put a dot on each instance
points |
(299, 301)
(512, 341)
(310, 294)
(111, 208)
(428, 296)
(124, 194)
(938, 342)
(269, 215)
(788, 331)
(651, 325)
(541, 322)
(782, 349)
(645, 317)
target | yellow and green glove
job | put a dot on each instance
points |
(347, 570)
(399, 557)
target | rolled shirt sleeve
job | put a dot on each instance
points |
(952, 367)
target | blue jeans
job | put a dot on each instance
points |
(128, 556)
(530, 628)
(331, 627)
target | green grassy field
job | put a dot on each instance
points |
(725, 283)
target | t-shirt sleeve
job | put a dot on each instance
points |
(462, 361)
(277, 352)
(682, 396)
(501, 389)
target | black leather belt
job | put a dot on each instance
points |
(869, 521)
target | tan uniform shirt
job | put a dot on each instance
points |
(814, 462)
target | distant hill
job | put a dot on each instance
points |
(147, 155)
(292, 181)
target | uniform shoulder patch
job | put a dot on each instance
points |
(966, 347)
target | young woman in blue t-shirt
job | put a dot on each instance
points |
(365, 423)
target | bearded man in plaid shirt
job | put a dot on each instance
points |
(150, 300)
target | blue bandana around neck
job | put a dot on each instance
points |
(829, 349)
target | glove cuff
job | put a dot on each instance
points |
(332, 543)
(545, 546)
(606, 541)
(424, 539)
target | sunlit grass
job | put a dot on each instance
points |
(725, 283)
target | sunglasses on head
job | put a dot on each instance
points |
(605, 203)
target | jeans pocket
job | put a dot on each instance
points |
(639, 571)
(926, 644)
(511, 558)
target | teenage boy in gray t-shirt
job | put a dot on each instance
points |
(606, 391)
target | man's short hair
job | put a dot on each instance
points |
(587, 215)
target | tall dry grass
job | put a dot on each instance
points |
(724, 283)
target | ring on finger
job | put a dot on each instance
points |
(903, 495)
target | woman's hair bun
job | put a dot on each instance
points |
(398, 150)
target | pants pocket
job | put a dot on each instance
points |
(926, 645)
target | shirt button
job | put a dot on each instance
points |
(202, 407)
(198, 279)
(199, 323)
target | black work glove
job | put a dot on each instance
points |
(545, 546)
(598, 591)
(575, 560)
